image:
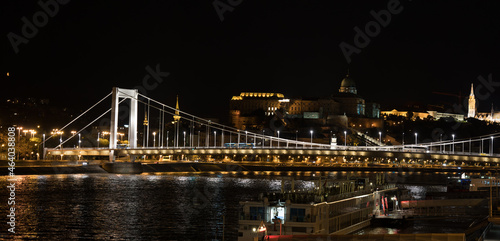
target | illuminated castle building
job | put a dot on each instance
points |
(249, 109)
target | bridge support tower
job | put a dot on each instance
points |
(133, 95)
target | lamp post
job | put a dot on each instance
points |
(167, 139)
(184, 132)
(403, 141)
(98, 137)
(491, 150)
(345, 138)
(416, 139)
(215, 139)
(73, 133)
(440, 140)
(311, 138)
(263, 140)
(380, 137)
(154, 139)
(79, 140)
(278, 139)
(43, 146)
(482, 141)
(60, 142)
(453, 143)
(246, 137)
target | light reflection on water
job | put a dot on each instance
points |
(124, 207)
(139, 207)
(419, 192)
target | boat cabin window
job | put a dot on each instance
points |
(297, 214)
(256, 213)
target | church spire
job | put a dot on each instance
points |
(177, 116)
(472, 103)
(145, 123)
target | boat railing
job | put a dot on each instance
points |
(314, 196)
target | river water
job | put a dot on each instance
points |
(153, 207)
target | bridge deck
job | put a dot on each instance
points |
(277, 151)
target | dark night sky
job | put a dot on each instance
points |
(290, 47)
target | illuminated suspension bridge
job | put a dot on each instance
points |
(200, 136)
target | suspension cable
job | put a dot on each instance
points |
(77, 117)
(92, 122)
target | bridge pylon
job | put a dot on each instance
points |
(133, 95)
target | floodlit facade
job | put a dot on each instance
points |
(424, 115)
(248, 109)
(492, 116)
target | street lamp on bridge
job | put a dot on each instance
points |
(154, 139)
(380, 137)
(57, 132)
(491, 150)
(453, 143)
(403, 141)
(278, 139)
(311, 137)
(215, 138)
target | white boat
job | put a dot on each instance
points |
(332, 207)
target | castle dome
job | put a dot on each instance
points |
(348, 82)
(348, 85)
